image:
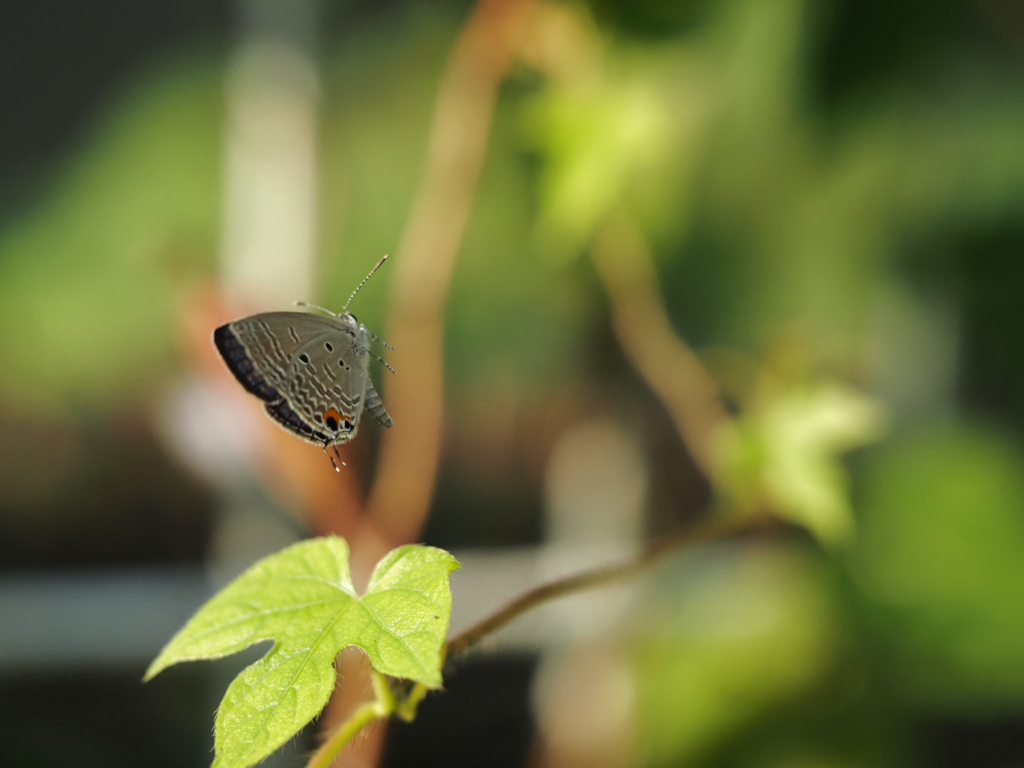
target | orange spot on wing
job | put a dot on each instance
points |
(339, 418)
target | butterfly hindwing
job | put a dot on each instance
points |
(310, 370)
(328, 380)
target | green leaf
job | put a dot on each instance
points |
(303, 599)
(806, 432)
(786, 454)
(594, 143)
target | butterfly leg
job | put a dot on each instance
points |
(333, 464)
(379, 358)
(373, 336)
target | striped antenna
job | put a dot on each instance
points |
(315, 306)
(345, 308)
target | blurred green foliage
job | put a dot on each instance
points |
(784, 455)
(736, 633)
(939, 562)
(87, 275)
(779, 194)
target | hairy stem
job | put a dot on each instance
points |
(378, 709)
(713, 528)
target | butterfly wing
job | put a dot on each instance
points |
(309, 369)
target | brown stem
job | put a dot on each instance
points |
(668, 365)
(410, 452)
(399, 500)
(713, 528)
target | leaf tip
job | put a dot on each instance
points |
(155, 668)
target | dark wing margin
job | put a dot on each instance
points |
(282, 413)
(375, 407)
(241, 365)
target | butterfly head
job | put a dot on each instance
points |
(348, 322)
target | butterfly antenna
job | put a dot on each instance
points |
(314, 306)
(345, 308)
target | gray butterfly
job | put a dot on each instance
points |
(311, 370)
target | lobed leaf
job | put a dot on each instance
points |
(785, 453)
(303, 599)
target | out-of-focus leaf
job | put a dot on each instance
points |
(785, 454)
(939, 559)
(737, 632)
(303, 599)
(593, 142)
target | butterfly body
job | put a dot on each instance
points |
(311, 371)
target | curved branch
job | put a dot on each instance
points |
(409, 456)
(714, 528)
(664, 360)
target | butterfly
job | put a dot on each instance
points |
(311, 370)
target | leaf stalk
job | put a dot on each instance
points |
(379, 708)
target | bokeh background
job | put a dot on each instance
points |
(652, 262)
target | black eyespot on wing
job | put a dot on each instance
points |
(332, 423)
(341, 363)
(328, 347)
(241, 365)
(304, 357)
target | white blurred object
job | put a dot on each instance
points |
(595, 494)
(596, 486)
(268, 236)
(272, 92)
(209, 429)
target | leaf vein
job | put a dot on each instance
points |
(261, 614)
(308, 653)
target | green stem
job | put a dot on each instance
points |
(378, 709)
(406, 709)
